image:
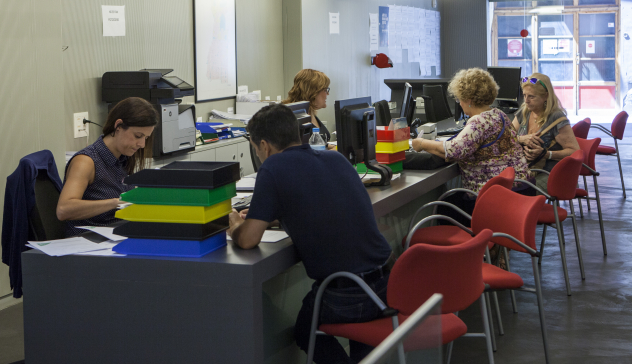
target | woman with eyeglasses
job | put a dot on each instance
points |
(313, 86)
(542, 109)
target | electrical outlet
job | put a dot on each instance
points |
(81, 129)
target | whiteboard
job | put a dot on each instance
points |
(215, 49)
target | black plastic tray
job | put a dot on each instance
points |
(158, 230)
(187, 175)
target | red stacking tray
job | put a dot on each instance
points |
(392, 136)
(386, 158)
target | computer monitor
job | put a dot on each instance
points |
(304, 119)
(357, 135)
(508, 79)
(408, 104)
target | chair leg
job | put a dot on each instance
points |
(603, 234)
(581, 210)
(449, 354)
(488, 335)
(579, 249)
(490, 322)
(560, 238)
(511, 291)
(620, 170)
(587, 193)
(542, 244)
(501, 330)
(538, 292)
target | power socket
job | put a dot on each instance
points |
(81, 129)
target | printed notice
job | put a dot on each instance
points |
(113, 20)
(590, 46)
(334, 23)
(374, 25)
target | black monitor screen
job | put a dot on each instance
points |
(508, 79)
(300, 111)
(355, 139)
(408, 105)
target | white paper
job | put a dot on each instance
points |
(65, 246)
(590, 46)
(549, 46)
(334, 23)
(269, 236)
(242, 90)
(104, 231)
(374, 38)
(564, 45)
(247, 183)
(113, 20)
(395, 55)
(106, 251)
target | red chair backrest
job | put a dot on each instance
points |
(504, 211)
(454, 271)
(590, 150)
(582, 128)
(618, 125)
(505, 179)
(562, 182)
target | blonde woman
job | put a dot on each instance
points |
(540, 109)
(313, 86)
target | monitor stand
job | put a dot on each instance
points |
(384, 171)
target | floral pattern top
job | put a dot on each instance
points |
(478, 165)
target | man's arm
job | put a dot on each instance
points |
(245, 233)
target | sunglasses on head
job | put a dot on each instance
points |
(533, 81)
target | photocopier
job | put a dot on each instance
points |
(175, 131)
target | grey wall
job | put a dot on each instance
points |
(159, 34)
(463, 35)
(345, 57)
(32, 88)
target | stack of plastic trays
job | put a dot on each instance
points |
(390, 148)
(179, 210)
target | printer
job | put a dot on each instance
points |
(175, 131)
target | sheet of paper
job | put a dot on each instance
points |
(106, 251)
(113, 20)
(67, 246)
(374, 32)
(242, 90)
(384, 23)
(104, 231)
(590, 46)
(549, 46)
(334, 23)
(269, 236)
(246, 184)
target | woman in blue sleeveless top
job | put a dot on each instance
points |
(94, 176)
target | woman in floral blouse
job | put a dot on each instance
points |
(488, 144)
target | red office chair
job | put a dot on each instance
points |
(513, 228)
(616, 132)
(590, 148)
(561, 186)
(582, 128)
(453, 271)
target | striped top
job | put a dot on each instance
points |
(109, 173)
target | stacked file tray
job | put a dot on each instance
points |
(215, 130)
(179, 210)
(390, 148)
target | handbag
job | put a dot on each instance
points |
(540, 161)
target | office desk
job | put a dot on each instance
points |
(84, 309)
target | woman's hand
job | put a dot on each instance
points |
(533, 153)
(531, 140)
(331, 146)
(243, 213)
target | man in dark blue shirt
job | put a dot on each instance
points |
(320, 201)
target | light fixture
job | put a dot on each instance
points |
(547, 10)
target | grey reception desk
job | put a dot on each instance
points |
(142, 309)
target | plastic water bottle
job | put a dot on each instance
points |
(316, 141)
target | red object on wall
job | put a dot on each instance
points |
(381, 60)
(566, 94)
(597, 97)
(524, 33)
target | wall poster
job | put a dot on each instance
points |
(215, 50)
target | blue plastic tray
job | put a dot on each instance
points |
(171, 248)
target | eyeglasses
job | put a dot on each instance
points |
(327, 90)
(533, 81)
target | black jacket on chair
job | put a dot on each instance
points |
(19, 200)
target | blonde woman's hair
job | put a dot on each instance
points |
(474, 84)
(308, 83)
(552, 105)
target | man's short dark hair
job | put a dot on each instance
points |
(276, 124)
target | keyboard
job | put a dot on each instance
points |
(242, 204)
(450, 131)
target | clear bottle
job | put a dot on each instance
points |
(316, 141)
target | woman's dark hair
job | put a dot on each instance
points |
(136, 112)
(276, 124)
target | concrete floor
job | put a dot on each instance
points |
(594, 325)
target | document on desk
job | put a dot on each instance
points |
(247, 183)
(104, 231)
(66, 246)
(270, 236)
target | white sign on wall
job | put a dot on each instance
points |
(590, 46)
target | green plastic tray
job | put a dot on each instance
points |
(396, 167)
(180, 196)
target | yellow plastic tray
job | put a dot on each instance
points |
(386, 147)
(175, 214)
